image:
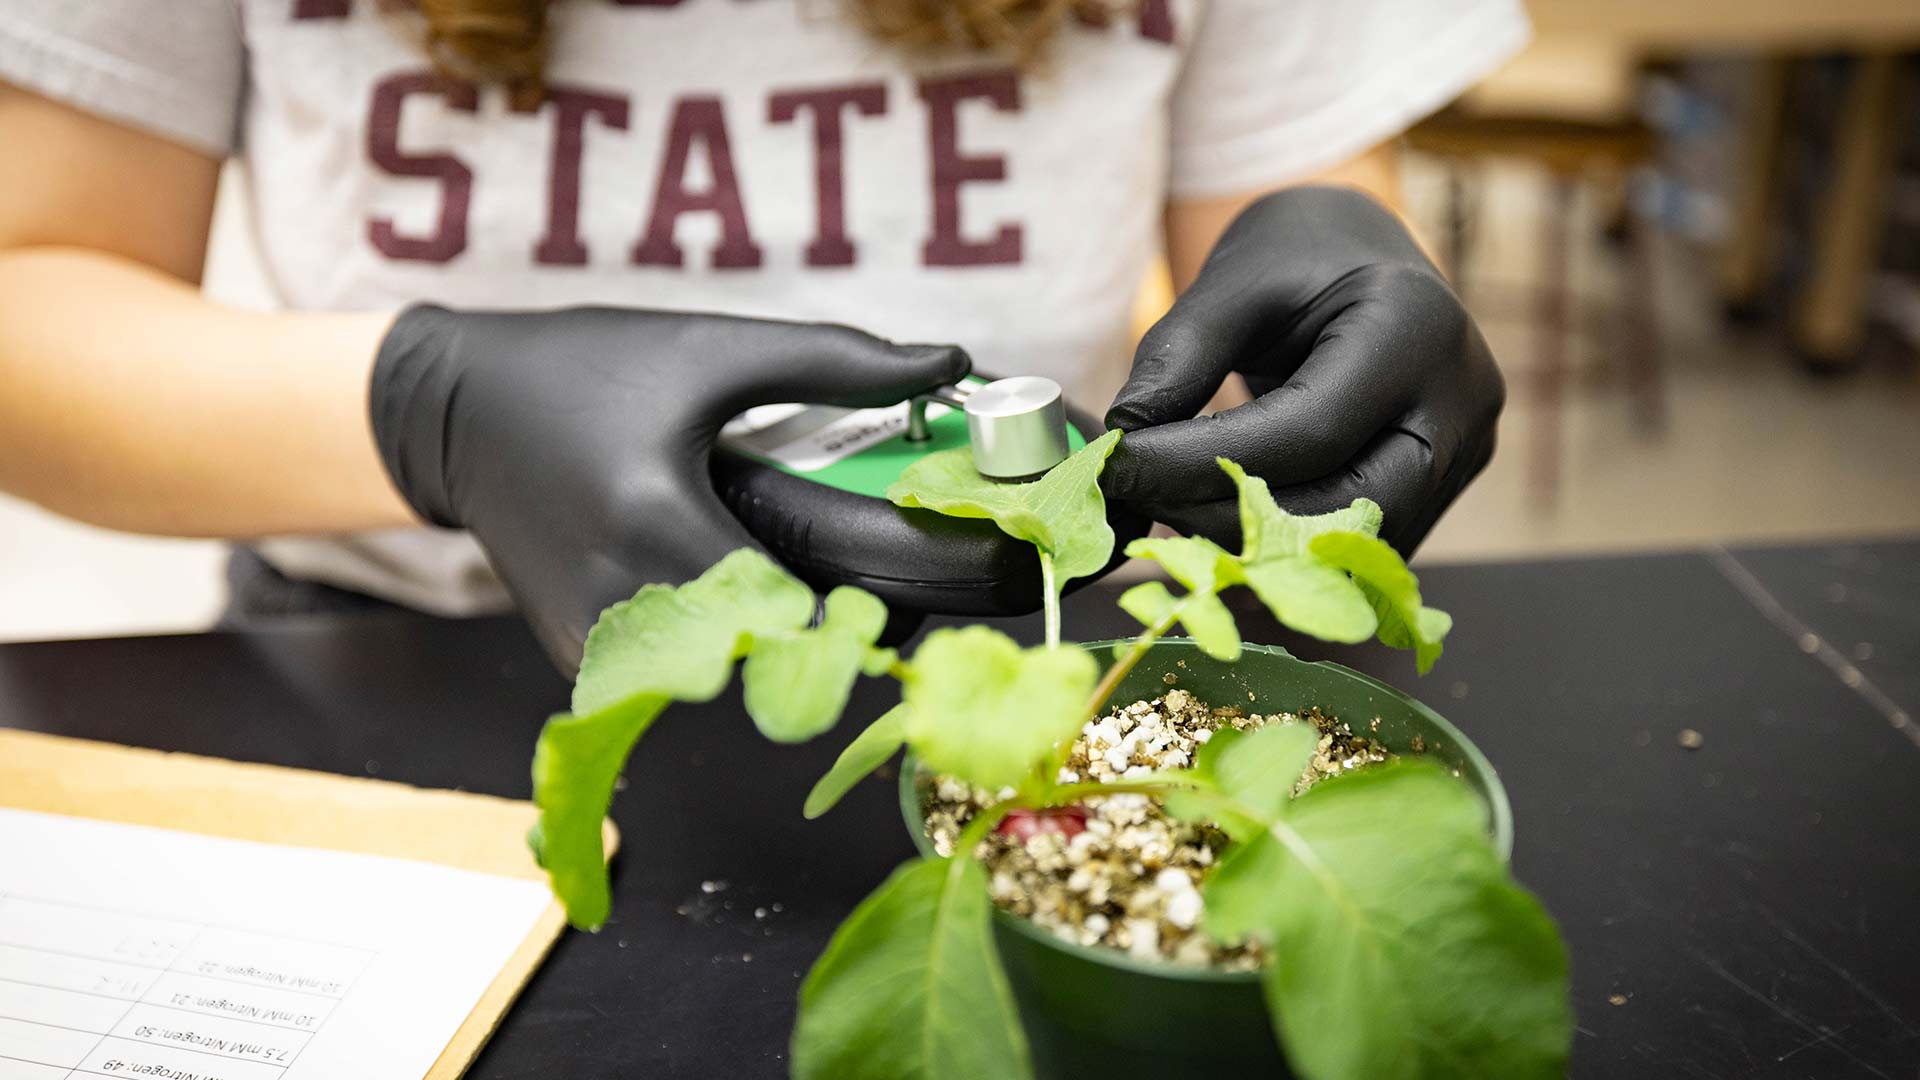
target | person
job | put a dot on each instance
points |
(529, 257)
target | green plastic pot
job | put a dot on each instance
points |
(1093, 1011)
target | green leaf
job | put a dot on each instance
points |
(1204, 616)
(867, 752)
(1257, 769)
(1314, 598)
(981, 708)
(1269, 532)
(797, 683)
(1331, 576)
(1194, 561)
(1062, 513)
(682, 642)
(1149, 602)
(1302, 591)
(1188, 805)
(666, 644)
(1380, 897)
(878, 662)
(575, 764)
(1423, 634)
(1260, 768)
(1392, 590)
(1205, 568)
(910, 986)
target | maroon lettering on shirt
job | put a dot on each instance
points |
(830, 246)
(1156, 18)
(322, 9)
(449, 236)
(698, 120)
(562, 246)
(950, 168)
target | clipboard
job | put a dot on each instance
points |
(278, 805)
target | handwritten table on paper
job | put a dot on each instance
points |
(131, 951)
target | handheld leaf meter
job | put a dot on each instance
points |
(809, 482)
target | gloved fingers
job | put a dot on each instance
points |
(680, 547)
(1183, 358)
(1378, 336)
(1264, 298)
(672, 534)
(1302, 430)
(1398, 470)
(759, 363)
(1289, 436)
(1453, 472)
(1218, 520)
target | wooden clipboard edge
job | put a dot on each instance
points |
(472, 1034)
(136, 786)
(488, 1012)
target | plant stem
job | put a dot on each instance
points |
(1050, 598)
(1104, 689)
(982, 824)
(1068, 794)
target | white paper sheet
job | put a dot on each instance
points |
(132, 951)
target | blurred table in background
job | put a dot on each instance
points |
(1571, 105)
(1580, 71)
(1790, 25)
(1742, 909)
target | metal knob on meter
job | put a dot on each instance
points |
(1018, 427)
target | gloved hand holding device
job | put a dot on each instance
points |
(574, 444)
(1370, 377)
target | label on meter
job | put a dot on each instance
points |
(857, 450)
(809, 438)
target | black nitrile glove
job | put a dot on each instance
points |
(1370, 378)
(574, 444)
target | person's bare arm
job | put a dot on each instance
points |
(130, 400)
(1194, 225)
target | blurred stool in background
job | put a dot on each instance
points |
(1849, 219)
(1567, 105)
(1831, 275)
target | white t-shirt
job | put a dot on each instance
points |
(759, 157)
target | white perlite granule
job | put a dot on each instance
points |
(1130, 880)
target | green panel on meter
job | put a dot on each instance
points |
(836, 447)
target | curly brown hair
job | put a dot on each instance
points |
(505, 41)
